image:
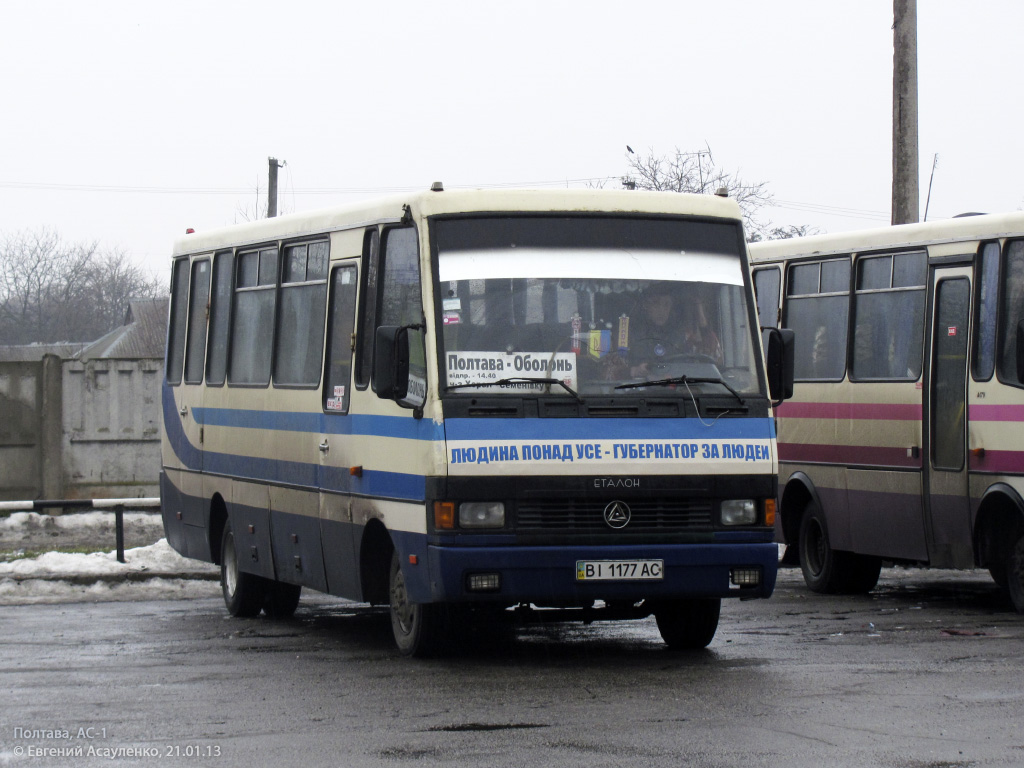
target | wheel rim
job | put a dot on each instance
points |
(401, 608)
(230, 566)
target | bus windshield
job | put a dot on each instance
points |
(593, 306)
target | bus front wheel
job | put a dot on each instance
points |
(1015, 574)
(244, 593)
(688, 624)
(419, 628)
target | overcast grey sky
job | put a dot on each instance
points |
(126, 123)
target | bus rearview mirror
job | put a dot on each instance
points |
(778, 358)
(391, 362)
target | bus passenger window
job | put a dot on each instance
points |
(817, 307)
(220, 318)
(252, 331)
(300, 323)
(889, 317)
(340, 325)
(766, 288)
(1013, 311)
(179, 318)
(199, 296)
(987, 288)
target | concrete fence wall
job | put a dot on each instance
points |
(79, 430)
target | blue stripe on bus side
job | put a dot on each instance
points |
(402, 427)
(395, 485)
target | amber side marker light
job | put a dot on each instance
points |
(769, 511)
(444, 514)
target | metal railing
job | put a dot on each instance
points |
(118, 505)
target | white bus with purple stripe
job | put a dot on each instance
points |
(902, 441)
(461, 403)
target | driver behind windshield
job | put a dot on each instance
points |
(672, 323)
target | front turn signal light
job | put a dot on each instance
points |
(769, 512)
(444, 515)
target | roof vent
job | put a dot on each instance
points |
(437, 186)
(722, 192)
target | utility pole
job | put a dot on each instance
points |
(272, 186)
(905, 192)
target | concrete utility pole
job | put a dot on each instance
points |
(905, 190)
(272, 186)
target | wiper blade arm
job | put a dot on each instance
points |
(517, 379)
(683, 380)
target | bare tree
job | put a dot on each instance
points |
(697, 172)
(52, 291)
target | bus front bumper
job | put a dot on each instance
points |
(549, 576)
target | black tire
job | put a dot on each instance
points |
(861, 573)
(1015, 574)
(419, 628)
(688, 624)
(820, 563)
(281, 600)
(244, 593)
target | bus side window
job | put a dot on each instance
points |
(341, 321)
(252, 329)
(987, 288)
(368, 311)
(220, 318)
(817, 311)
(766, 288)
(300, 319)
(1012, 311)
(198, 299)
(178, 323)
(889, 317)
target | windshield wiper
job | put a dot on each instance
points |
(684, 380)
(516, 379)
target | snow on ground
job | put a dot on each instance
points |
(150, 572)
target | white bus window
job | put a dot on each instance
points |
(252, 330)
(300, 324)
(220, 318)
(889, 317)
(1012, 311)
(368, 314)
(766, 289)
(987, 288)
(178, 323)
(341, 324)
(817, 310)
(199, 296)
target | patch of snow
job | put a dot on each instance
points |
(20, 522)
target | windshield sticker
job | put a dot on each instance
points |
(510, 371)
(452, 304)
(452, 318)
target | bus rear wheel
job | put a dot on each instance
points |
(281, 600)
(244, 593)
(688, 624)
(1015, 574)
(419, 628)
(818, 560)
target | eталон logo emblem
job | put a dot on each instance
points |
(617, 514)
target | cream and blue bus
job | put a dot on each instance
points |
(901, 442)
(457, 403)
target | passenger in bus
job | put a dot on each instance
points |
(699, 338)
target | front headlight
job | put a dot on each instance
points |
(481, 514)
(739, 512)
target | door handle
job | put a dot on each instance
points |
(324, 447)
(183, 410)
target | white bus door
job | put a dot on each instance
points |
(948, 502)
